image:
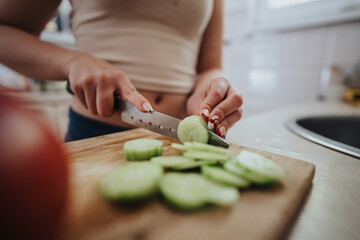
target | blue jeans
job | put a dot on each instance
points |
(81, 127)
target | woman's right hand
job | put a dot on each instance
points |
(94, 82)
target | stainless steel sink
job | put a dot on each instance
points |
(338, 133)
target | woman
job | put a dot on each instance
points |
(157, 54)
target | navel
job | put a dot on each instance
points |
(158, 99)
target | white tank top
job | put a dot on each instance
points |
(155, 42)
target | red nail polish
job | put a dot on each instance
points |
(206, 117)
(212, 120)
(218, 133)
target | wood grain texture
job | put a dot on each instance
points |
(259, 214)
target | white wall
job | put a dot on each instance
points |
(279, 68)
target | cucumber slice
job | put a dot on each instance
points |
(131, 182)
(221, 176)
(233, 167)
(191, 164)
(206, 156)
(197, 146)
(222, 195)
(260, 166)
(178, 146)
(258, 178)
(193, 129)
(190, 191)
(142, 149)
(171, 161)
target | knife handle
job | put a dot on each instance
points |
(117, 98)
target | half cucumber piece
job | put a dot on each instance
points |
(193, 129)
(142, 149)
(222, 176)
(131, 182)
(190, 191)
(259, 168)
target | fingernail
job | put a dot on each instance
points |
(221, 132)
(210, 125)
(214, 120)
(147, 107)
(205, 114)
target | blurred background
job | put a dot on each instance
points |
(276, 52)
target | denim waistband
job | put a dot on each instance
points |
(81, 127)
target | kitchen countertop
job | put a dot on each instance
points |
(332, 209)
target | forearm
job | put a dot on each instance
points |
(27, 54)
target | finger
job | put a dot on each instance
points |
(105, 100)
(228, 122)
(90, 95)
(232, 102)
(79, 93)
(129, 93)
(216, 93)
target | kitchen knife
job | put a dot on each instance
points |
(154, 121)
(157, 121)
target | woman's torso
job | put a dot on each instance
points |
(155, 42)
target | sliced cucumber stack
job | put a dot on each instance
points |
(131, 182)
(222, 176)
(189, 191)
(259, 168)
(193, 129)
(142, 149)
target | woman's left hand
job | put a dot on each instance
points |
(218, 102)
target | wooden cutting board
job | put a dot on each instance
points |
(259, 214)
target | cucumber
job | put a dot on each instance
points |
(193, 129)
(197, 146)
(171, 161)
(260, 167)
(206, 156)
(142, 149)
(190, 191)
(131, 182)
(222, 176)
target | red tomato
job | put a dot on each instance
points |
(33, 174)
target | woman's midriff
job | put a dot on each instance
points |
(168, 103)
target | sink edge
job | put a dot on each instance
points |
(292, 125)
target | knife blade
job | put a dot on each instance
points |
(156, 121)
